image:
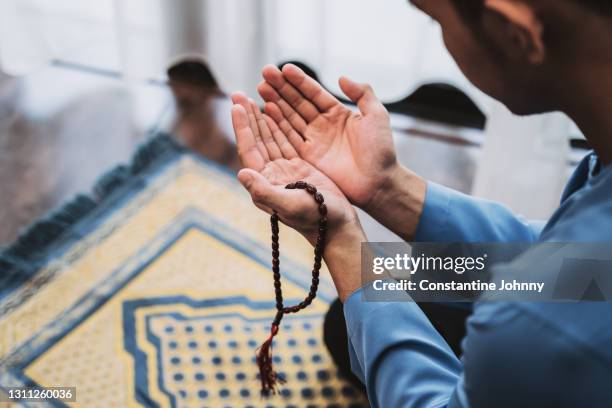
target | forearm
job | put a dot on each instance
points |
(398, 354)
(420, 211)
(398, 203)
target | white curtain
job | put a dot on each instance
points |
(389, 44)
(110, 35)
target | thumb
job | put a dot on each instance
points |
(363, 95)
(264, 194)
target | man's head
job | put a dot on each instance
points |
(525, 53)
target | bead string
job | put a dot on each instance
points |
(269, 378)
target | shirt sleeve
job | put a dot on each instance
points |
(398, 354)
(404, 362)
(450, 216)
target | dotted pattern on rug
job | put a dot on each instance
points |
(211, 363)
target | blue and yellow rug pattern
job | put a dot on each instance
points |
(156, 294)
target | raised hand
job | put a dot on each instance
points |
(270, 162)
(354, 149)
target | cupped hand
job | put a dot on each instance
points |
(271, 162)
(354, 149)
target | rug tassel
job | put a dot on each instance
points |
(269, 378)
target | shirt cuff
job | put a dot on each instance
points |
(436, 213)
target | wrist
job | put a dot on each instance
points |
(398, 201)
(346, 236)
(342, 256)
(387, 187)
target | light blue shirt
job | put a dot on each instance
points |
(514, 354)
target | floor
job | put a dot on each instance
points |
(62, 127)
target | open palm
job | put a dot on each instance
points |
(354, 149)
(271, 163)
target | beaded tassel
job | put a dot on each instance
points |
(269, 378)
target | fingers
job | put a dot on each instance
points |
(286, 148)
(311, 89)
(241, 99)
(250, 155)
(269, 94)
(269, 142)
(303, 106)
(363, 95)
(252, 110)
(286, 128)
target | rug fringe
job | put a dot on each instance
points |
(22, 259)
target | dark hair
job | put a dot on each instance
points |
(600, 6)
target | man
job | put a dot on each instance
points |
(534, 56)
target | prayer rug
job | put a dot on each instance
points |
(155, 291)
